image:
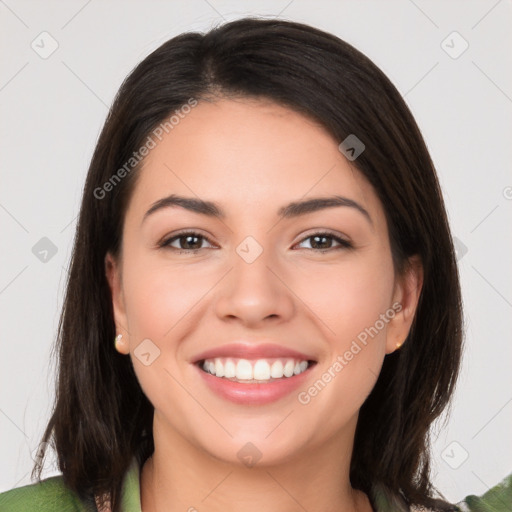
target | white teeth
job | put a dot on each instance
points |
(243, 370)
(261, 370)
(219, 369)
(229, 369)
(300, 367)
(276, 372)
(250, 370)
(288, 368)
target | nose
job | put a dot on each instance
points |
(255, 293)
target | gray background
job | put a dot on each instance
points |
(52, 110)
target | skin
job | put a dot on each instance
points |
(252, 157)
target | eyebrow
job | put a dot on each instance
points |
(291, 210)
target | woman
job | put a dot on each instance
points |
(263, 234)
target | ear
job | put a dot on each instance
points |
(114, 278)
(405, 301)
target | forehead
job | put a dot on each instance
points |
(250, 156)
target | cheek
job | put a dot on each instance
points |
(159, 296)
(160, 301)
(354, 307)
(349, 298)
(351, 304)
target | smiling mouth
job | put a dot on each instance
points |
(259, 371)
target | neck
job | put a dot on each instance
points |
(181, 476)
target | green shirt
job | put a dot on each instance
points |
(51, 495)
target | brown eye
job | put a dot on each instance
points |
(322, 242)
(188, 242)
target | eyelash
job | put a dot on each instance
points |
(344, 244)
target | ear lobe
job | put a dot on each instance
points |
(407, 293)
(113, 275)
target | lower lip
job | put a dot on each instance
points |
(254, 394)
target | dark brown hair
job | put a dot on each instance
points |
(101, 417)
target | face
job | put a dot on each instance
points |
(319, 282)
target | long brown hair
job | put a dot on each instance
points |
(101, 417)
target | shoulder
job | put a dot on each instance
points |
(50, 494)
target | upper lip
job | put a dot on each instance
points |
(251, 351)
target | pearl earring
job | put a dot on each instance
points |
(117, 339)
